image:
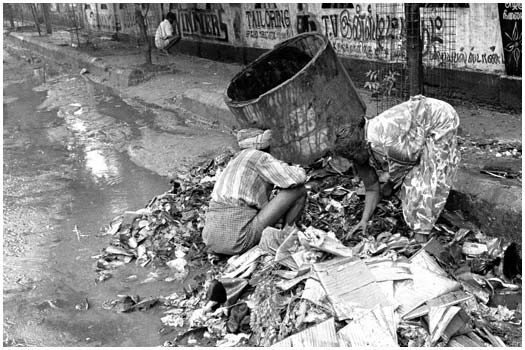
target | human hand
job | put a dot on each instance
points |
(361, 225)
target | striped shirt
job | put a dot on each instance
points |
(249, 178)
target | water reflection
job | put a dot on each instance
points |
(76, 124)
(101, 166)
(74, 168)
(100, 159)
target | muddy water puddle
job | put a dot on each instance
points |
(66, 174)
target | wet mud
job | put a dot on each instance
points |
(66, 174)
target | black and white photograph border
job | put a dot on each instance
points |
(248, 174)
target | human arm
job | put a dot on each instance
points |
(372, 196)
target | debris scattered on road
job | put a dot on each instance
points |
(102, 276)
(83, 305)
(129, 303)
(77, 232)
(309, 285)
(168, 227)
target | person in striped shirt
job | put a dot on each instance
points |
(240, 207)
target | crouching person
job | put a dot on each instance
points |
(240, 208)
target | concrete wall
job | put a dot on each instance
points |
(264, 25)
(478, 39)
(466, 38)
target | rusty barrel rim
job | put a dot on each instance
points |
(320, 51)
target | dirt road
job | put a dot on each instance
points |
(75, 156)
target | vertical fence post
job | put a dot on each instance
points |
(414, 49)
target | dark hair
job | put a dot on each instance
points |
(170, 16)
(350, 142)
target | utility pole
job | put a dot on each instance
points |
(45, 9)
(414, 49)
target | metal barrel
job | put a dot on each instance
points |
(302, 92)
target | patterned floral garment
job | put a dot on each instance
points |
(414, 145)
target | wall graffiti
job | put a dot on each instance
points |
(106, 22)
(510, 24)
(432, 34)
(378, 32)
(103, 19)
(127, 20)
(267, 24)
(306, 21)
(91, 18)
(362, 26)
(363, 32)
(451, 38)
(444, 44)
(202, 23)
(466, 57)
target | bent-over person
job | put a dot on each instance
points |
(240, 208)
(411, 150)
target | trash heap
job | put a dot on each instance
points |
(167, 229)
(311, 286)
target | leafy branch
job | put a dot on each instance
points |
(384, 85)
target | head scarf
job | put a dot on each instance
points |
(254, 138)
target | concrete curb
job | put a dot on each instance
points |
(115, 76)
(494, 205)
(210, 104)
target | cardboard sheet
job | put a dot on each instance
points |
(320, 335)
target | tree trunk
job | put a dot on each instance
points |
(414, 49)
(33, 11)
(144, 30)
(117, 24)
(98, 17)
(47, 20)
(9, 10)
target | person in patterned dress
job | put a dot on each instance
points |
(409, 149)
(240, 207)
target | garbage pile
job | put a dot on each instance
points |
(167, 229)
(311, 286)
